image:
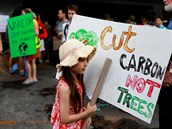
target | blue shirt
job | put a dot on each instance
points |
(170, 25)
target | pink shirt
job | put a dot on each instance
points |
(55, 114)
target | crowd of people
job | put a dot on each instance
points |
(56, 49)
(57, 34)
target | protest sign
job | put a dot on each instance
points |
(3, 23)
(139, 55)
(21, 35)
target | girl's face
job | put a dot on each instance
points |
(80, 67)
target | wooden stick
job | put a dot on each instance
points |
(99, 87)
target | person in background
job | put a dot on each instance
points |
(42, 48)
(18, 62)
(159, 22)
(165, 96)
(56, 44)
(149, 18)
(31, 59)
(131, 20)
(71, 10)
(48, 42)
(107, 17)
(62, 21)
(69, 109)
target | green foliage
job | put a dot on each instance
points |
(87, 37)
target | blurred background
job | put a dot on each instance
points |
(119, 10)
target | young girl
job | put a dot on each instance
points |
(69, 110)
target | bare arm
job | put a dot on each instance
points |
(66, 118)
(1, 48)
(36, 27)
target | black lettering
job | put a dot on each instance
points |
(132, 63)
(154, 69)
(147, 67)
(140, 64)
(160, 73)
(121, 61)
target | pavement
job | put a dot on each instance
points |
(29, 107)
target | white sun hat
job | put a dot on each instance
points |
(72, 50)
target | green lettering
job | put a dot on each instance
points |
(141, 107)
(150, 105)
(123, 90)
(133, 104)
(127, 99)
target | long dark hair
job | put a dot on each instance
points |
(74, 96)
(17, 11)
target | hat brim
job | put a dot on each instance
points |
(72, 59)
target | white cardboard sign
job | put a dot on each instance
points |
(3, 22)
(139, 54)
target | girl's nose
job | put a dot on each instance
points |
(86, 62)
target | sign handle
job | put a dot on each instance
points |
(99, 87)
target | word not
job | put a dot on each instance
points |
(135, 103)
(128, 34)
(145, 66)
(139, 84)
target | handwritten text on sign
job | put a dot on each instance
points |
(138, 66)
(21, 35)
(3, 23)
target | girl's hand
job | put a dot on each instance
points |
(89, 123)
(91, 109)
